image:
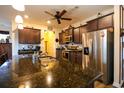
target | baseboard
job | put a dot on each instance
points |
(116, 85)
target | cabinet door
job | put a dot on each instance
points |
(60, 38)
(25, 36)
(22, 36)
(70, 56)
(82, 30)
(71, 31)
(76, 35)
(105, 22)
(58, 54)
(92, 25)
(35, 37)
(79, 57)
(29, 35)
(67, 32)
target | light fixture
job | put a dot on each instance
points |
(18, 19)
(20, 26)
(26, 16)
(19, 7)
(49, 22)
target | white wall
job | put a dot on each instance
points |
(5, 25)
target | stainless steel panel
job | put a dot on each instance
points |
(100, 44)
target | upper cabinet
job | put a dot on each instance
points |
(100, 23)
(77, 35)
(66, 36)
(29, 36)
(92, 25)
(105, 22)
(60, 38)
(72, 35)
(35, 36)
(83, 29)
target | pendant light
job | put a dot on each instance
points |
(19, 21)
(20, 26)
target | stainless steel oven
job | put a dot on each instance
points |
(65, 55)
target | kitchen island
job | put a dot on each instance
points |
(23, 72)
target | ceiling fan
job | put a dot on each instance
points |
(58, 16)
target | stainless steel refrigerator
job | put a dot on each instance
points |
(98, 47)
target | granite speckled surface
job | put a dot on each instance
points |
(22, 72)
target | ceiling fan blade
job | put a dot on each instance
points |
(62, 13)
(66, 18)
(59, 22)
(52, 18)
(49, 13)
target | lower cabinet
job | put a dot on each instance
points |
(59, 54)
(75, 57)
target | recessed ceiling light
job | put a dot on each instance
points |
(26, 16)
(49, 22)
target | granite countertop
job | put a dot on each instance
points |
(74, 50)
(5, 43)
(43, 73)
(69, 50)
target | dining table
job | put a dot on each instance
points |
(46, 72)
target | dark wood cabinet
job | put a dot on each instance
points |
(23, 36)
(100, 23)
(105, 22)
(77, 35)
(83, 29)
(6, 47)
(72, 56)
(92, 25)
(61, 38)
(75, 57)
(29, 36)
(79, 58)
(59, 54)
(35, 36)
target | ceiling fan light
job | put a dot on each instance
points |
(49, 22)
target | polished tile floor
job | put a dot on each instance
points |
(101, 85)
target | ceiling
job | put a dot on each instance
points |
(37, 16)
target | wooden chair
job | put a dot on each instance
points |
(91, 83)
